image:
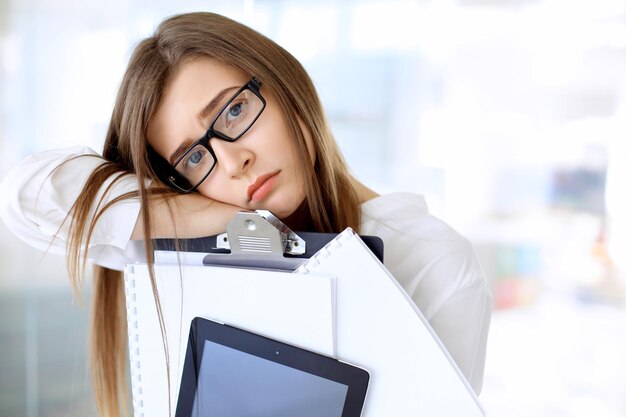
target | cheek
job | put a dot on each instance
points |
(213, 189)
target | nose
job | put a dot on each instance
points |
(233, 158)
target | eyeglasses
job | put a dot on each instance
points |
(234, 119)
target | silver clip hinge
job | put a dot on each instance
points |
(260, 232)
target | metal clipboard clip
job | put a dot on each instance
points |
(258, 239)
(253, 239)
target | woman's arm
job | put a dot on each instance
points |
(454, 296)
(462, 324)
(37, 195)
(439, 270)
(194, 216)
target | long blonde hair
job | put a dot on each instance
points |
(332, 201)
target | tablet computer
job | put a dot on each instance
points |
(230, 372)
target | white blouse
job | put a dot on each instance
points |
(435, 265)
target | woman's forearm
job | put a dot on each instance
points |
(185, 216)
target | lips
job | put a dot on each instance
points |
(262, 186)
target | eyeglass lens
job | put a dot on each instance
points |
(232, 122)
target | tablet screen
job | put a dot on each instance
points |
(236, 384)
(230, 372)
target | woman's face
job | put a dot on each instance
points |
(261, 170)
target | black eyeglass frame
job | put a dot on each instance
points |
(254, 85)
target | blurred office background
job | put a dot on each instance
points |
(509, 115)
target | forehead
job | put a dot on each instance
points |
(190, 89)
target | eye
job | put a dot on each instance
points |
(193, 159)
(234, 113)
(235, 110)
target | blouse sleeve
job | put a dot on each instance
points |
(37, 195)
(461, 313)
(440, 271)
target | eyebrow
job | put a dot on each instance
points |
(210, 108)
(203, 114)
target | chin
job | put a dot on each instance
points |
(281, 213)
(283, 209)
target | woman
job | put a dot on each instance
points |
(212, 117)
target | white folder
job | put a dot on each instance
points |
(380, 328)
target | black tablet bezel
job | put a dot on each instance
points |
(357, 379)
